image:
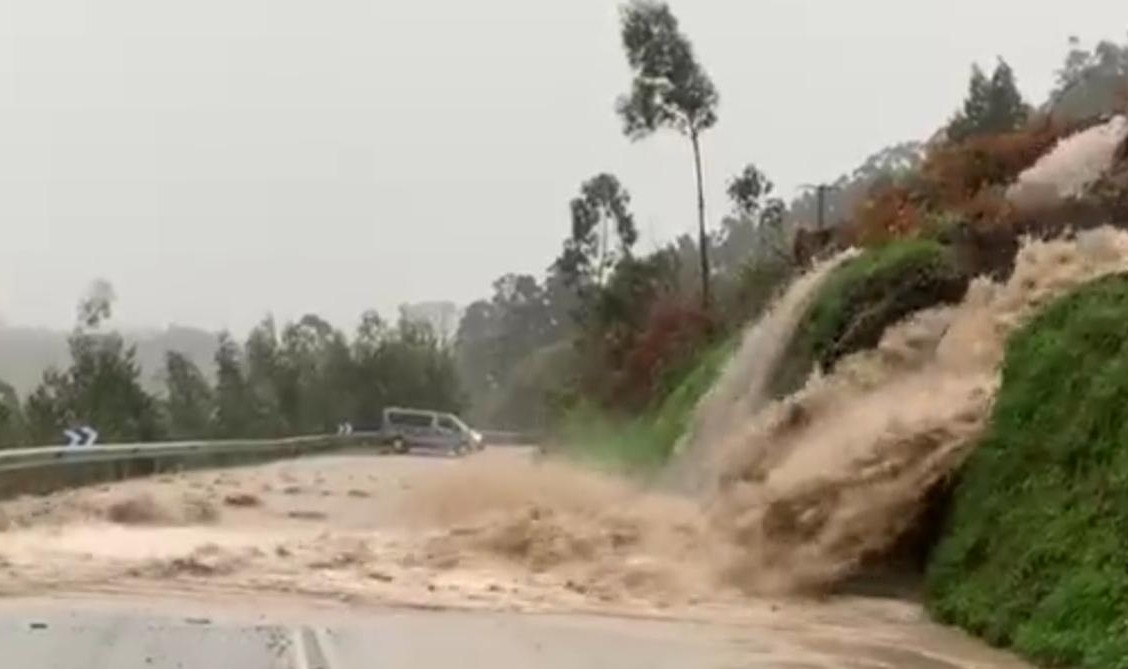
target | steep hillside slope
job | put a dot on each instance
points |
(1034, 552)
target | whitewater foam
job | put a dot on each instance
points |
(837, 472)
(798, 495)
(794, 498)
(1070, 167)
(741, 389)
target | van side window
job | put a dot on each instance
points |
(410, 419)
(447, 424)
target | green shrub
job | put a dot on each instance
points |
(862, 298)
(644, 442)
(1035, 551)
(942, 225)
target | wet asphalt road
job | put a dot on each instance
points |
(57, 635)
(106, 623)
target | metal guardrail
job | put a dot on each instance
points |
(22, 457)
(45, 469)
(506, 438)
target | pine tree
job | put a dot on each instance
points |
(12, 431)
(992, 105)
(190, 403)
(233, 406)
(1005, 108)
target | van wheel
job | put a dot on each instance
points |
(398, 446)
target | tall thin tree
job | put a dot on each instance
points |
(669, 90)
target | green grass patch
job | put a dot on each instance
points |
(642, 443)
(1035, 551)
(864, 296)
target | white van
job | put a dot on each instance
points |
(404, 429)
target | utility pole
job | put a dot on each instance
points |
(820, 191)
(820, 196)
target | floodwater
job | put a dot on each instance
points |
(368, 532)
(781, 501)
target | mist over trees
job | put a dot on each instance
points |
(26, 352)
(605, 324)
(441, 316)
(100, 387)
(305, 377)
(1091, 82)
(849, 190)
(609, 327)
(512, 349)
(622, 327)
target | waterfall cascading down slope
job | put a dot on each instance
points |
(741, 388)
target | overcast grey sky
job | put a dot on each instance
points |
(218, 159)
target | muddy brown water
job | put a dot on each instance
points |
(783, 498)
(351, 532)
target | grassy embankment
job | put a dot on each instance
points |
(642, 443)
(1033, 552)
(863, 297)
(856, 303)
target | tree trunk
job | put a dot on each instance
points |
(602, 252)
(702, 240)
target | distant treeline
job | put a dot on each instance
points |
(301, 378)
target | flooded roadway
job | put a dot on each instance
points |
(319, 562)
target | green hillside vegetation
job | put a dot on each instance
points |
(863, 297)
(644, 442)
(1033, 552)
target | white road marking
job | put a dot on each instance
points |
(301, 660)
(328, 649)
